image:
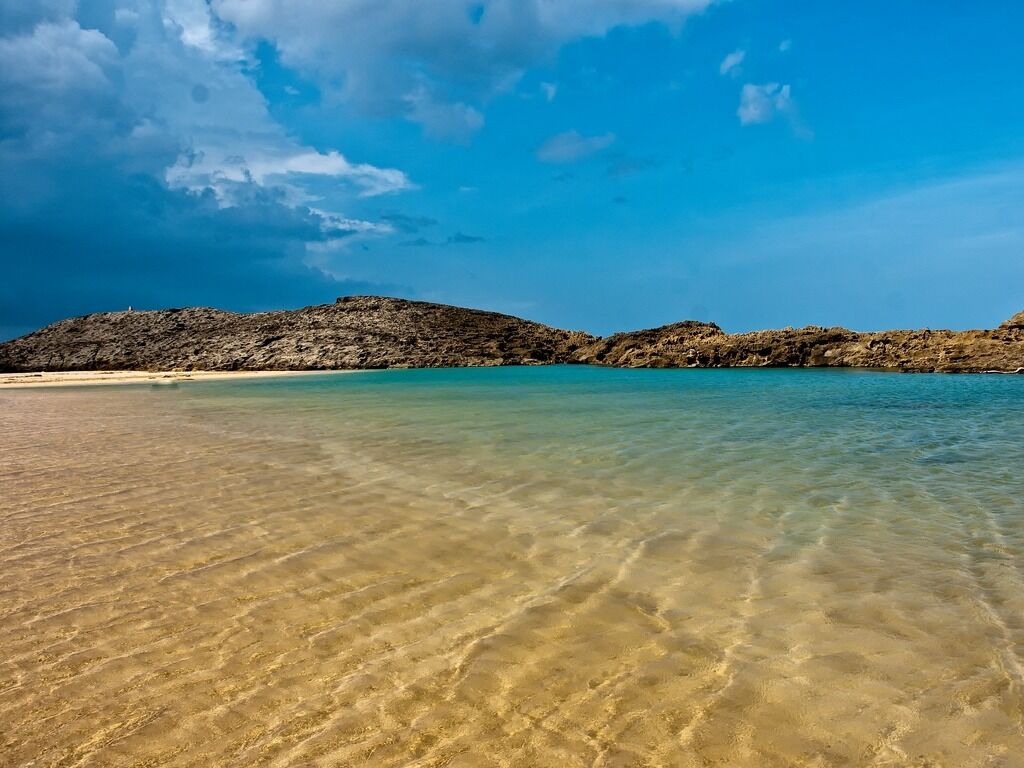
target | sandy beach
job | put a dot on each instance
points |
(92, 378)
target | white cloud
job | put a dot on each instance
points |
(222, 169)
(332, 223)
(175, 102)
(17, 15)
(55, 77)
(571, 146)
(203, 97)
(385, 54)
(761, 103)
(550, 90)
(191, 20)
(443, 120)
(56, 58)
(730, 64)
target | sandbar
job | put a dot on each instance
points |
(92, 378)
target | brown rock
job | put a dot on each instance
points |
(1015, 323)
(355, 332)
(378, 332)
(699, 345)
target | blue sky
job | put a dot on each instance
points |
(594, 164)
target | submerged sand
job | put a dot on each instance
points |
(424, 576)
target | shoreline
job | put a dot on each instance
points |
(63, 379)
(104, 378)
(339, 527)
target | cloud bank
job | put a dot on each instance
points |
(142, 114)
(435, 63)
(143, 165)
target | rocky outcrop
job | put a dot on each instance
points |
(354, 332)
(705, 345)
(376, 332)
(1015, 323)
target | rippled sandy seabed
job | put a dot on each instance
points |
(544, 567)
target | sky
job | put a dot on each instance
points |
(601, 165)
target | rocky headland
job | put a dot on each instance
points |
(360, 332)
(704, 345)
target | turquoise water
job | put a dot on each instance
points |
(810, 438)
(533, 566)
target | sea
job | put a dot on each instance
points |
(523, 566)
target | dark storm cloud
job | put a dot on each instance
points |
(93, 122)
(406, 223)
(103, 240)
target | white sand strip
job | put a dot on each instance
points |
(91, 378)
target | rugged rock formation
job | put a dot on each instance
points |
(375, 332)
(705, 345)
(1014, 323)
(355, 332)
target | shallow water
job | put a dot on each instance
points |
(518, 567)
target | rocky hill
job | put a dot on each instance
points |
(376, 332)
(354, 332)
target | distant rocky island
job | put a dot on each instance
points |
(362, 332)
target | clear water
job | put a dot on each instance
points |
(521, 566)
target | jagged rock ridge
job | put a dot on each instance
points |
(1014, 323)
(377, 332)
(705, 345)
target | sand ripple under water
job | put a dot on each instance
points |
(557, 567)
